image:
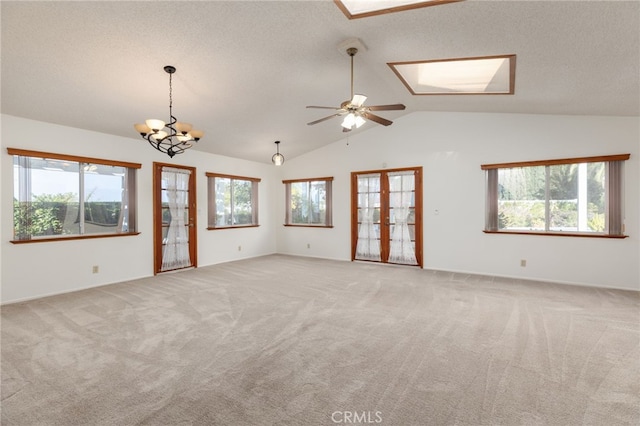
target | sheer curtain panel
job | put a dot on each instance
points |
(368, 245)
(176, 248)
(401, 200)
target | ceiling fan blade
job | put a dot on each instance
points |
(322, 119)
(386, 107)
(377, 119)
(358, 100)
(322, 107)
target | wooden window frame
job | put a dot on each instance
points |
(328, 209)
(212, 201)
(491, 196)
(417, 5)
(512, 75)
(81, 159)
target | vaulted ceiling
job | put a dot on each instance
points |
(246, 70)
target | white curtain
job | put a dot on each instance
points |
(401, 198)
(368, 245)
(123, 219)
(176, 248)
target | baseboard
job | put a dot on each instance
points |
(42, 296)
(530, 279)
(511, 277)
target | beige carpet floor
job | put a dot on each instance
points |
(282, 340)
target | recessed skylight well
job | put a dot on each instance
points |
(363, 8)
(486, 75)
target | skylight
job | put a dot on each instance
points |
(480, 75)
(362, 8)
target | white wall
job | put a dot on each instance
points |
(451, 147)
(39, 269)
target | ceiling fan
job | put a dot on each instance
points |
(356, 114)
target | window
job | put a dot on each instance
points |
(308, 202)
(576, 196)
(354, 9)
(233, 201)
(483, 75)
(59, 196)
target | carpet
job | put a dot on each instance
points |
(284, 340)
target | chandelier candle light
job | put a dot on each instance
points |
(173, 138)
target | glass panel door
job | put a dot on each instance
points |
(174, 217)
(402, 217)
(387, 216)
(368, 246)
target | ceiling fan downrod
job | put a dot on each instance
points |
(352, 52)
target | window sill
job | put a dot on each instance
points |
(299, 225)
(215, 228)
(558, 234)
(73, 237)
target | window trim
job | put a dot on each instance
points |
(555, 162)
(492, 196)
(395, 67)
(212, 200)
(79, 159)
(74, 237)
(52, 156)
(328, 210)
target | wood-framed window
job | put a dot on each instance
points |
(354, 9)
(569, 197)
(61, 197)
(233, 201)
(308, 202)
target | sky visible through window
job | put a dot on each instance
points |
(100, 187)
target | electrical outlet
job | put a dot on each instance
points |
(308, 245)
(95, 269)
(239, 248)
(523, 262)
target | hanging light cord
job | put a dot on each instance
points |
(171, 118)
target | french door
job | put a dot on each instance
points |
(386, 216)
(174, 213)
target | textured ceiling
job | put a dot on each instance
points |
(246, 70)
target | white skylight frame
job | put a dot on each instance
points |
(354, 9)
(495, 75)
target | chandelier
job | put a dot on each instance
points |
(173, 138)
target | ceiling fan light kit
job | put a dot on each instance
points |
(172, 138)
(354, 112)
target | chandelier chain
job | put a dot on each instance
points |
(170, 95)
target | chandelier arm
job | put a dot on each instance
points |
(155, 145)
(169, 147)
(171, 124)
